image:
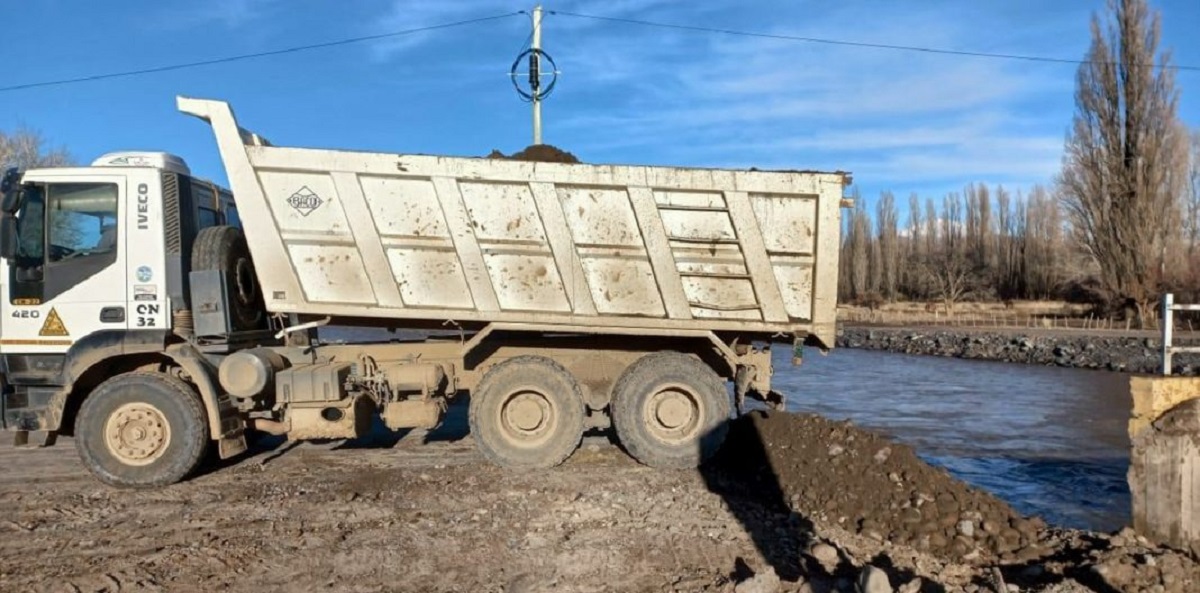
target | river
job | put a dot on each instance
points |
(1052, 442)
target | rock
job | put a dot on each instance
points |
(874, 580)
(835, 450)
(966, 528)
(883, 454)
(825, 555)
(766, 581)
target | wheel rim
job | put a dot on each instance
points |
(137, 433)
(527, 417)
(672, 414)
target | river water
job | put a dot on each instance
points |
(1052, 442)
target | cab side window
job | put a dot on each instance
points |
(67, 232)
(81, 220)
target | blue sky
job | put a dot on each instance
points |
(902, 121)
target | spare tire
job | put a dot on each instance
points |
(224, 248)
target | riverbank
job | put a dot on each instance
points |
(1102, 350)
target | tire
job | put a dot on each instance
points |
(527, 413)
(670, 410)
(116, 427)
(224, 248)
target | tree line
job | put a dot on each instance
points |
(1119, 226)
(981, 244)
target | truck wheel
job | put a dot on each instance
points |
(670, 410)
(527, 412)
(224, 248)
(142, 430)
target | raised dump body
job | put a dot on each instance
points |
(379, 235)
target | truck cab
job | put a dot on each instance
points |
(94, 262)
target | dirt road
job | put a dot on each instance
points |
(427, 514)
(417, 516)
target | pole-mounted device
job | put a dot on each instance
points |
(538, 86)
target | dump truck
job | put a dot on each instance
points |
(149, 314)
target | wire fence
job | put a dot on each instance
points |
(1009, 320)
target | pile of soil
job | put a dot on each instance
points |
(541, 153)
(834, 472)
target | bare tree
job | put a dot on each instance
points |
(950, 275)
(860, 253)
(1124, 164)
(887, 225)
(1191, 215)
(27, 149)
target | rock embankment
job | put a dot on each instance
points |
(1112, 353)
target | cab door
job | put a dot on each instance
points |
(68, 279)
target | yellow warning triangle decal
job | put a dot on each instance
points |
(54, 325)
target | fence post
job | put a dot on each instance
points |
(1167, 325)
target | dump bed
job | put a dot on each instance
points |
(357, 234)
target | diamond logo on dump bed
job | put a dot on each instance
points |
(305, 201)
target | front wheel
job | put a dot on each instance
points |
(142, 430)
(670, 410)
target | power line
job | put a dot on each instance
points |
(263, 54)
(912, 48)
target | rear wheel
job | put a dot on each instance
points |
(527, 412)
(670, 410)
(224, 248)
(142, 430)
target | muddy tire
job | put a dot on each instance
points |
(224, 248)
(142, 430)
(670, 410)
(527, 412)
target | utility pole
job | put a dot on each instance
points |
(538, 60)
(535, 73)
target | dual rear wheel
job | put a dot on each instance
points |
(669, 411)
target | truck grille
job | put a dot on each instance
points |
(171, 230)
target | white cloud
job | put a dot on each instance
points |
(413, 14)
(230, 14)
(891, 117)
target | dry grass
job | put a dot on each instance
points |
(1014, 314)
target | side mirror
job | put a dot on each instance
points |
(10, 191)
(9, 242)
(10, 202)
(10, 180)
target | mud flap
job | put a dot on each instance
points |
(230, 446)
(233, 428)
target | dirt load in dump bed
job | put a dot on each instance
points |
(542, 153)
(427, 513)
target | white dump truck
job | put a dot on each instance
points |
(148, 313)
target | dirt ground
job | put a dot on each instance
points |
(425, 513)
